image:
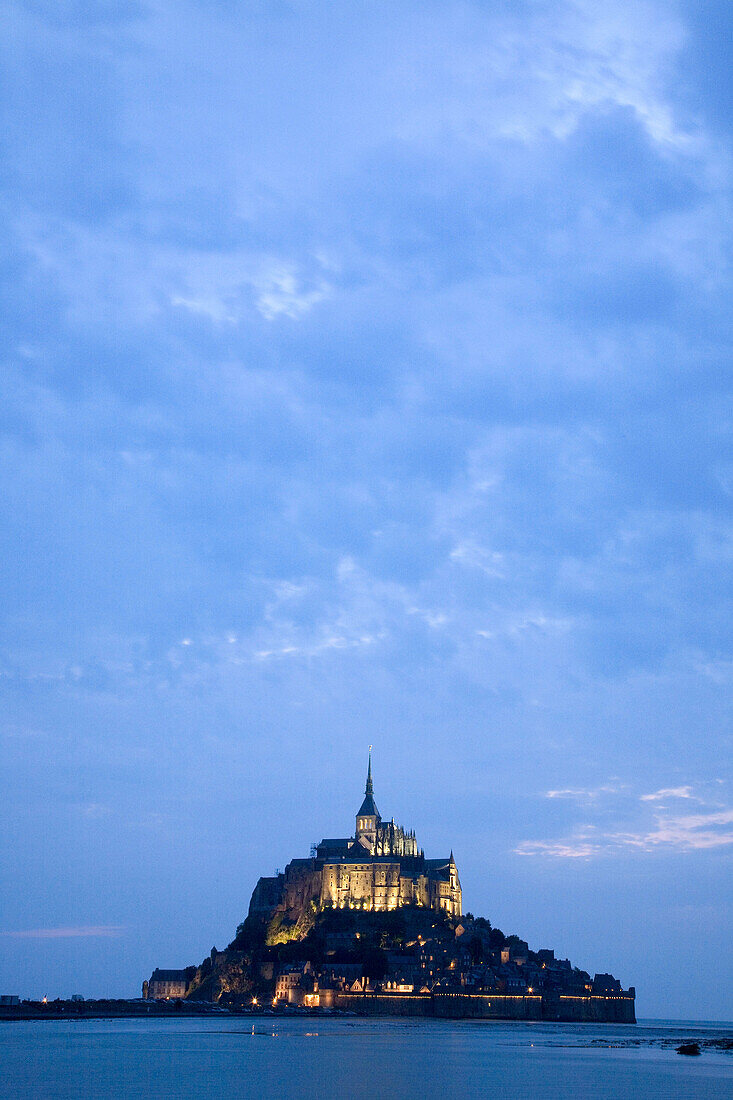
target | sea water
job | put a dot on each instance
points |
(350, 1057)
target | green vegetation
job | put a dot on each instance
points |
(262, 947)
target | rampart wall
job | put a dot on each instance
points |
(497, 1006)
(609, 1008)
(386, 1004)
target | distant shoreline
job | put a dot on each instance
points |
(116, 1009)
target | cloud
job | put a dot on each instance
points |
(316, 649)
(278, 290)
(95, 811)
(575, 60)
(81, 931)
(668, 792)
(103, 272)
(515, 625)
(434, 619)
(615, 68)
(688, 833)
(469, 554)
(280, 293)
(582, 793)
(717, 669)
(693, 832)
(213, 308)
(572, 848)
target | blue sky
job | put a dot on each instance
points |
(365, 379)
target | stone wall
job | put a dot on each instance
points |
(490, 1006)
(617, 1008)
(386, 1004)
(611, 1008)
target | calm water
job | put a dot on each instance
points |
(355, 1058)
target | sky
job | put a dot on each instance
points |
(365, 379)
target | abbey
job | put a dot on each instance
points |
(368, 925)
(380, 867)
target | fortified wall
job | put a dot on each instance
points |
(618, 1008)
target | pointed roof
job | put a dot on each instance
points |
(368, 807)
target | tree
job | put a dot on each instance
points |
(496, 938)
(375, 964)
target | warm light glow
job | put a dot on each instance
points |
(254, 1000)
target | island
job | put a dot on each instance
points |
(368, 924)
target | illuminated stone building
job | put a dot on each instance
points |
(167, 984)
(380, 867)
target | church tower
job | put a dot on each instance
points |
(368, 819)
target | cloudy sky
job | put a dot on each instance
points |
(365, 379)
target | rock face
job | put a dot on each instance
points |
(289, 900)
(223, 974)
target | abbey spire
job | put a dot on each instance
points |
(369, 807)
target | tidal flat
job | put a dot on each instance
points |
(359, 1058)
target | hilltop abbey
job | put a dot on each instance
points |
(367, 924)
(379, 868)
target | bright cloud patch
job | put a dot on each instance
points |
(581, 793)
(280, 293)
(668, 792)
(683, 833)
